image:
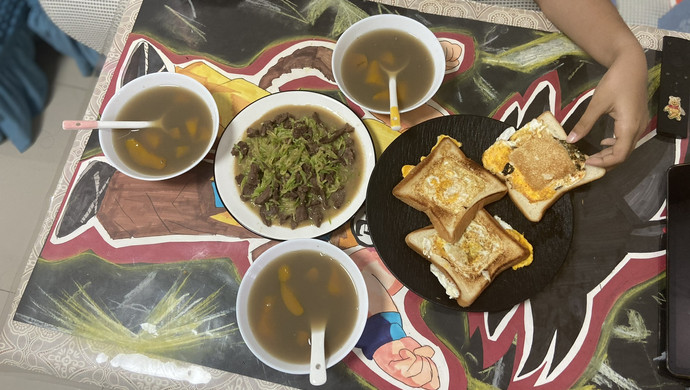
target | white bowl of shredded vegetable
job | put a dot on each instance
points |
(294, 164)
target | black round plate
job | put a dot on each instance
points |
(390, 220)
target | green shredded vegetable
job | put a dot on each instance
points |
(301, 166)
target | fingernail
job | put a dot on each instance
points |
(571, 138)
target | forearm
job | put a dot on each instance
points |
(595, 26)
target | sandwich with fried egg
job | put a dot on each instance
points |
(467, 266)
(449, 188)
(538, 165)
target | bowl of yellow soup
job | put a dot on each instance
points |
(371, 47)
(186, 126)
(292, 284)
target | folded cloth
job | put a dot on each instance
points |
(38, 21)
(677, 19)
(23, 85)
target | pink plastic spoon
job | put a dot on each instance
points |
(88, 125)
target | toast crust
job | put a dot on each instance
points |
(449, 188)
(484, 251)
(538, 165)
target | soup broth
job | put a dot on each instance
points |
(309, 280)
(364, 62)
(183, 137)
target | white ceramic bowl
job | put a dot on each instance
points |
(134, 87)
(224, 164)
(390, 22)
(267, 258)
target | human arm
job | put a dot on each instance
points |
(598, 29)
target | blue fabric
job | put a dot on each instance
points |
(23, 85)
(677, 19)
(12, 16)
(86, 58)
(380, 329)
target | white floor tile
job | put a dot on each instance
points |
(29, 179)
(68, 73)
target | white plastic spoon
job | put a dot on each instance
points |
(317, 363)
(88, 125)
(393, 93)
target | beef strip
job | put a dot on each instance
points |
(253, 132)
(264, 196)
(301, 130)
(240, 149)
(338, 198)
(348, 156)
(267, 214)
(316, 214)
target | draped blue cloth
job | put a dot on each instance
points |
(23, 84)
(41, 25)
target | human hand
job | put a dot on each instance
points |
(409, 362)
(621, 93)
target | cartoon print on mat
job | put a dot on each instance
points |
(110, 226)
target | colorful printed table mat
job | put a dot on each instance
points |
(154, 267)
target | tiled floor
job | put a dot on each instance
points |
(27, 181)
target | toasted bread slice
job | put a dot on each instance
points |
(538, 165)
(484, 251)
(450, 188)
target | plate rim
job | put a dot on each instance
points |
(294, 98)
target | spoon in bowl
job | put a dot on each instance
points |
(317, 363)
(89, 125)
(393, 92)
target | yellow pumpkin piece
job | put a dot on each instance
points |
(382, 96)
(152, 138)
(267, 321)
(143, 156)
(359, 61)
(290, 300)
(175, 133)
(284, 273)
(335, 286)
(181, 151)
(375, 74)
(388, 59)
(192, 126)
(313, 274)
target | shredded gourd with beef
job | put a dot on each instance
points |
(294, 169)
